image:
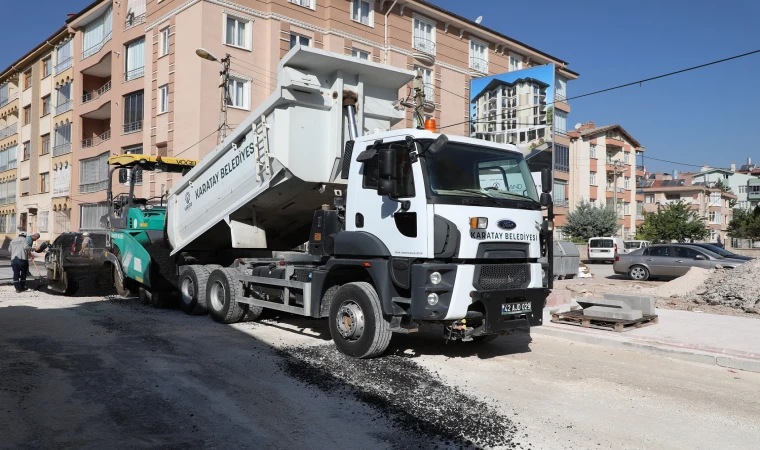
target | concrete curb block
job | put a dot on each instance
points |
(684, 354)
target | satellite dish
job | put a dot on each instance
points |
(479, 19)
(577, 126)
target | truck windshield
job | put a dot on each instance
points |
(469, 170)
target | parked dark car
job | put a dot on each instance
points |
(723, 252)
(669, 261)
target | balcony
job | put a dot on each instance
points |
(61, 149)
(425, 49)
(63, 107)
(94, 95)
(639, 216)
(641, 168)
(7, 200)
(5, 101)
(96, 48)
(479, 65)
(564, 203)
(63, 65)
(86, 188)
(134, 74)
(133, 127)
(133, 21)
(97, 140)
(10, 130)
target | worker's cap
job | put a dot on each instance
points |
(22, 233)
(85, 234)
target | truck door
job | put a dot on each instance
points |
(403, 231)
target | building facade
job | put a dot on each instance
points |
(737, 182)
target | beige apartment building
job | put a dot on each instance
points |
(136, 85)
(34, 192)
(601, 166)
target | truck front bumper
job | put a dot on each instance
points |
(498, 318)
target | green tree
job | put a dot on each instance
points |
(745, 224)
(727, 189)
(588, 221)
(678, 222)
(549, 115)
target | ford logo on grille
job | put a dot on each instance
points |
(506, 224)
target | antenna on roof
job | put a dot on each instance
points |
(479, 19)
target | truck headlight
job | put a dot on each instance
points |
(478, 223)
(432, 299)
(435, 278)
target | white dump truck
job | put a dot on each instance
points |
(404, 226)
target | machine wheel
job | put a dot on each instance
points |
(638, 273)
(357, 324)
(192, 288)
(124, 289)
(162, 299)
(72, 286)
(144, 295)
(222, 291)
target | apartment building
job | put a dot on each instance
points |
(31, 106)
(739, 183)
(600, 166)
(713, 204)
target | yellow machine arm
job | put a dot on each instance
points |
(153, 163)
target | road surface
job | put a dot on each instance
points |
(94, 372)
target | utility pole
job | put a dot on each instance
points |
(615, 165)
(225, 74)
(419, 100)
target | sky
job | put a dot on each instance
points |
(707, 116)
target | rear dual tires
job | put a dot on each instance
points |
(223, 289)
(192, 289)
(357, 324)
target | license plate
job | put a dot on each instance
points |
(515, 308)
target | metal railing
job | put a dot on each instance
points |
(560, 97)
(96, 140)
(133, 20)
(86, 188)
(63, 65)
(479, 64)
(133, 127)
(10, 130)
(10, 98)
(96, 48)
(639, 216)
(62, 149)
(6, 200)
(12, 164)
(63, 107)
(560, 202)
(94, 95)
(641, 168)
(134, 74)
(424, 45)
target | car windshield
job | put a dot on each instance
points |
(470, 170)
(630, 245)
(718, 250)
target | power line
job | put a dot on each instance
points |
(202, 139)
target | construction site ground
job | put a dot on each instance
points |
(97, 371)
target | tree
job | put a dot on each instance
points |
(549, 115)
(678, 222)
(745, 224)
(727, 189)
(588, 221)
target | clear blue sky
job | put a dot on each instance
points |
(708, 116)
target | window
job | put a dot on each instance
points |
(362, 12)
(164, 36)
(27, 79)
(592, 151)
(133, 112)
(237, 32)
(305, 3)
(97, 33)
(478, 56)
(403, 169)
(62, 180)
(592, 178)
(562, 158)
(45, 105)
(423, 35)
(163, 99)
(560, 122)
(134, 60)
(46, 68)
(560, 89)
(649, 198)
(24, 187)
(742, 189)
(560, 193)
(515, 63)
(687, 252)
(3, 222)
(360, 54)
(91, 215)
(627, 209)
(63, 98)
(44, 182)
(674, 197)
(627, 182)
(625, 157)
(4, 93)
(42, 221)
(12, 222)
(714, 198)
(45, 144)
(240, 93)
(63, 57)
(8, 158)
(27, 151)
(657, 251)
(427, 83)
(27, 115)
(124, 174)
(297, 39)
(93, 174)
(62, 139)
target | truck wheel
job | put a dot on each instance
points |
(162, 299)
(123, 288)
(72, 286)
(222, 291)
(192, 286)
(357, 324)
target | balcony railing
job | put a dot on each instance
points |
(10, 130)
(96, 48)
(562, 202)
(5, 101)
(12, 164)
(62, 191)
(62, 149)
(133, 21)
(86, 188)
(479, 64)
(134, 74)
(641, 168)
(424, 45)
(63, 65)
(63, 107)
(97, 140)
(560, 97)
(94, 95)
(133, 127)
(6, 200)
(639, 216)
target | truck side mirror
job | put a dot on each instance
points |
(387, 187)
(545, 199)
(546, 180)
(438, 144)
(386, 159)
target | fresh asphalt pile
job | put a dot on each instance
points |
(735, 288)
(409, 395)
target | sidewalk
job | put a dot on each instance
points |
(726, 341)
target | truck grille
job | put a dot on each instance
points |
(489, 277)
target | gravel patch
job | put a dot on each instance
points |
(735, 288)
(407, 394)
(682, 285)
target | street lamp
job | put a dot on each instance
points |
(203, 53)
(225, 74)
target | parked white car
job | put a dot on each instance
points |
(634, 245)
(604, 248)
